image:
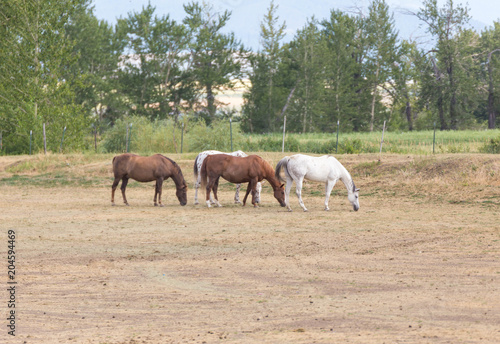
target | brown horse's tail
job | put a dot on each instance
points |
(282, 163)
(203, 172)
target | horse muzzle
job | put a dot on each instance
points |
(355, 207)
(183, 203)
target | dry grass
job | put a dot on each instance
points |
(418, 263)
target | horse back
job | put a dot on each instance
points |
(142, 169)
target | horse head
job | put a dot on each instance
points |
(181, 193)
(279, 194)
(353, 197)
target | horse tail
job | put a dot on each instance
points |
(283, 163)
(195, 167)
(203, 172)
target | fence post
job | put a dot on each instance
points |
(182, 137)
(44, 140)
(382, 140)
(31, 135)
(337, 144)
(231, 132)
(284, 129)
(95, 137)
(62, 140)
(434, 138)
(129, 136)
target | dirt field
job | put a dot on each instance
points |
(418, 263)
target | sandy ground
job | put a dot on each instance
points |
(401, 270)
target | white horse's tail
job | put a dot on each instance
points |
(195, 167)
(282, 163)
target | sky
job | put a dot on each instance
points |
(247, 14)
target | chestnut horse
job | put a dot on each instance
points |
(251, 169)
(146, 169)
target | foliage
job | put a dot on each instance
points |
(33, 91)
(492, 147)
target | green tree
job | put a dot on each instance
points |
(347, 88)
(382, 40)
(452, 63)
(35, 54)
(98, 48)
(490, 76)
(266, 96)
(215, 57)
(308, 52)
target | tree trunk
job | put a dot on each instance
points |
(210, 101)
(374, 97)
(409, 116)
(453, 100)
(491, 95)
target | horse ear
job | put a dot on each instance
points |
(356, 190)
(282, 185)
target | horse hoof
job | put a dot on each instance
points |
(156, 205)
(161, 205)
(305, 210)
(127, 204)
(255, 206)
(112, 204)
(327, 209)
(196, 203)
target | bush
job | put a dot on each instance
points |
(217, 136)
(492, 147)
(145, 136)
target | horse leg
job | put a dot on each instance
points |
(237, 194)
(258, 190)
(196, 187)
(246, 195)
(328, 190)
(113, 189)
(156, 193)
(209, 187)
(298, 191)
(288, 187)
(123, 187)
(254, 193)
(160, 188)
(216, 186)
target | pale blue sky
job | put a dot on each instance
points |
(247, 14)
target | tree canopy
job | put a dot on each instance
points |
(63, 67)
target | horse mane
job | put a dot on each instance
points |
(174, 164)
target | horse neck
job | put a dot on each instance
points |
(177, 177)
(269, 176)
(346, 178)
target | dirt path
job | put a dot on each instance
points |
(397, 271)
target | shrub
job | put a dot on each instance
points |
(492, 147)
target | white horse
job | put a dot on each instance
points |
(197, 167)
(325, 169)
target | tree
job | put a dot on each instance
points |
(35, 54)
(154, 77)
(98, 49)
(215, 57)
(451, 60)
(381, 56)
(266, 96)
(347, 87)
(490, 47)
(308, 52)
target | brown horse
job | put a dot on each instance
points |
(147, 169)
(251, 169)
